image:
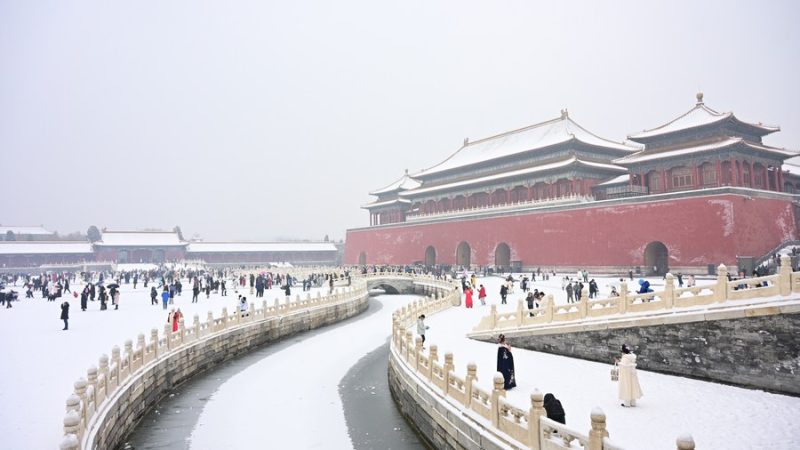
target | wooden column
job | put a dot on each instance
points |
(734, 173)
(719, 172)
(780, 180)
(665, 176)
(696, 175)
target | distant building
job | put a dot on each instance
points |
(701, 189)
(26, 233)
(137, 246)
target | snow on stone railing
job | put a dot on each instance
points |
(102, 381)
(530, 427)
(784, 283)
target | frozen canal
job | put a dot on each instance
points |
(313, 390)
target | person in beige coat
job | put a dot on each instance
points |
(629, 389)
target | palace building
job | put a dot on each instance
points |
(156, 246)
(701, 189)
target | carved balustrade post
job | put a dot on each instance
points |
(785, 275)
(80, 391)
(534, 414)
(417, 352)
(722, 284)
(472, 376)
(669, 291)
(91, 378)
(520, 312)
(598, 431)
(224, 318)
(497, 392)
(493, 315)
(623, 297)
(168, 335)
(140, 346)
(72, 423)
(409, 347)
(69, 442)
(433, 357)
(128, 358)
(685, 442)
(448, 369)
(583, 305)
(154, 341)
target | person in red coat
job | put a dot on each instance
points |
(482, 295)
(468, 301)
(176, 319)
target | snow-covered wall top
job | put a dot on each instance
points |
(140, 238)
(43, 247)
(212, 247)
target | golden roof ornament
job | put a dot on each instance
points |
(699, 98)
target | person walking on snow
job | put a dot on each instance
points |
(165, 297)
(482, 295)
(65, 315)
(421, 327)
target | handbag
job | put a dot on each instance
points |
(615, 373)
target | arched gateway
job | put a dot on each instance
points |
(430, 256)
(502, 256)
(656, 258)
(463, 254)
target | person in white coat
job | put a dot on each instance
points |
(421, 327)
(629, 389)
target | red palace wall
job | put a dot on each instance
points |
(696, 231)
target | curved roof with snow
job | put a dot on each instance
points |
(404, 183)
(570, 161)
(699, 116)
(38, 231)
(541, 135)
(686, 151)
(124, 238)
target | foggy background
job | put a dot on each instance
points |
(272, 120)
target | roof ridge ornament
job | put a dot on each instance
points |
(564, 113)
(466, 141)
(699, 98)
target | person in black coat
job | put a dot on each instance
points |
(65, 315)
(554, 409)
(84, 298)
(505, 363)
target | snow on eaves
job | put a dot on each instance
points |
(140, 238)
(616, 180)
(404, 183)
(513, 173)
(386, 203)
(541, 135)
(698, 116)
(645, 156)
(25, 230)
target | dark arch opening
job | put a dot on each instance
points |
(430, 256)
(656, 258)
(502, 257)
(388, 289)
(362, 258)
(463, 254)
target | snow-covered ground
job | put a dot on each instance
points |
(717, 416)
(40, 363)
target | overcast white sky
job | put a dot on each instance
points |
(265, 119)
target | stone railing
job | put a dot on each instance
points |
(511, 426)
(112, 394)
(784, 283)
